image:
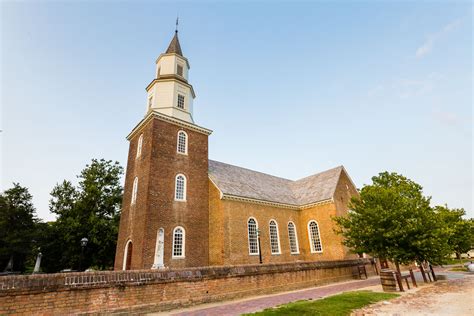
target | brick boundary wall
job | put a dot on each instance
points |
(144, 291)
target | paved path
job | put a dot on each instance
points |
(258, 303)
(450, 297)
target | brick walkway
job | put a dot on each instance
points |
(256, 304)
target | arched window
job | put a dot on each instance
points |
(294, 249)
(274, 239)
(178, 242)
(253, 237)
(134, 190)
(180, 188)
(139, 146)
(314, 237)
(182, 146)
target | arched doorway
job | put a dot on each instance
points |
(127, 256)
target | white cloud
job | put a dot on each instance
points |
(428, 45)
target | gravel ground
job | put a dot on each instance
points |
(452, 297)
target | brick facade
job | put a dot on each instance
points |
(155, 207)
(229, 218)
(147, 291)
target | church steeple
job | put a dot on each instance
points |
(174, 47)
(170, 93)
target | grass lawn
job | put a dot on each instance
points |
(457, 261)
(458, 269)
(337, 305)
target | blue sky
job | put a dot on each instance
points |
(289, 89)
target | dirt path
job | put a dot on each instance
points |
(453, 297)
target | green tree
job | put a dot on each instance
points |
(392, 219)
(91, 210)
(460, 230)
(17, 227)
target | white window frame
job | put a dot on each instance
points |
(296, 238)
(183, 253)
(125, 255)
(134, 191)
(185, 143)
(256, 236)
(310, 236)
(277, 237)
(184, 101)
(176, 187)
(139, 146)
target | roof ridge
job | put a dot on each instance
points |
(267, 174)
(315, 174)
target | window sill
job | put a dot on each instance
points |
(183, 154)
(179, 200)
(178, 258)
(254, 254)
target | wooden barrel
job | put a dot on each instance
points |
(387, 278)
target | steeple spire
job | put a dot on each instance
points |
(174, 46)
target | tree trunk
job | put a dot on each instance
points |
(398, 267)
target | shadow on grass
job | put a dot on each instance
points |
(337, 305)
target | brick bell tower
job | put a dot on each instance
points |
(165, 209)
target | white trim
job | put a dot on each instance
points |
(185, 143)
(311, 238)
(166, 118)
(139, 146)
(221, 195)
(278, 237)
(183, 245)
(296, 238)
(269, 203)
(184, 187)
(134, 191)
(125, 255)
(248, 236)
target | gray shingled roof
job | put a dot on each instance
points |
(174, 46)
(237, 181)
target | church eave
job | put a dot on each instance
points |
(171, 78)
(162, 117)
(270, 203)
(174, 54)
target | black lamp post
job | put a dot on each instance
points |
(259, 248)
(83, 246)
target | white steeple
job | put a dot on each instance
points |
(170, 93)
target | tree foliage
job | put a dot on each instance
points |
(17, 227)
(459, 230)
(392, 219)
(91, 210)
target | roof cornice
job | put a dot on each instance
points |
(269, 203)
(165, 78)
(162, 117)
(173, 54)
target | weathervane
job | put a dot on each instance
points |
(177, 22)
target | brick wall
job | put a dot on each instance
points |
(228, 218)
(156, 207)
(151, 291)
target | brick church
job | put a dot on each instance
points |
(181, 209)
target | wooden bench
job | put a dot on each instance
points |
(361, 270)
